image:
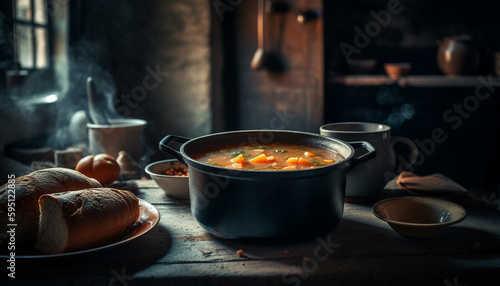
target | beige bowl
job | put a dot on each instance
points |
(173, 186)
(397, 70)
(418, 217)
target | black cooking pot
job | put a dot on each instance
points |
(265, 205)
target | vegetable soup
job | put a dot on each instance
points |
(270, 157)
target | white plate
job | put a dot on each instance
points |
(149, 217)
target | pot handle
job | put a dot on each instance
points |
(366, 156)
(171, 150)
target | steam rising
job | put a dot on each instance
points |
(86, 59)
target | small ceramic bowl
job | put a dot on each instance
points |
(418, 217)
(397, 70)
(173, 186)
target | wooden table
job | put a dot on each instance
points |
(361, 250)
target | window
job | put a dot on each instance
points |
(31, 33)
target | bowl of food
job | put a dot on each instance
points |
(397, 70)
(419, 217)
(171, 176)
(266, 185)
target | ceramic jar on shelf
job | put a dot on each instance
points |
(457, 55)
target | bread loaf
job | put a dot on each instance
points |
(84, 219)
(28, 190)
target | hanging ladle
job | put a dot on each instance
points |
(258, 58)
(96, 114)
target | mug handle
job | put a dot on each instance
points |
(369, 155)
(410, 144)
(166, 146)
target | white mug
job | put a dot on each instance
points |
(369, 178)
(120, 135)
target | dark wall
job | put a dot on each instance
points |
(6, 47)
(152, 57)
(290, 81)
(411, 34)
(469, 154)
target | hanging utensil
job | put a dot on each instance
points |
(258, 58)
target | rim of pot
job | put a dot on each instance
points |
(372, 127)
(244, 173)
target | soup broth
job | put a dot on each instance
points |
(270, 157)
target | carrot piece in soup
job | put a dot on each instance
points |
(292, 160)
(292, 167)
(238, 159)
(303, 161)
(259, 159)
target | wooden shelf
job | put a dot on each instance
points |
(417, 80)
